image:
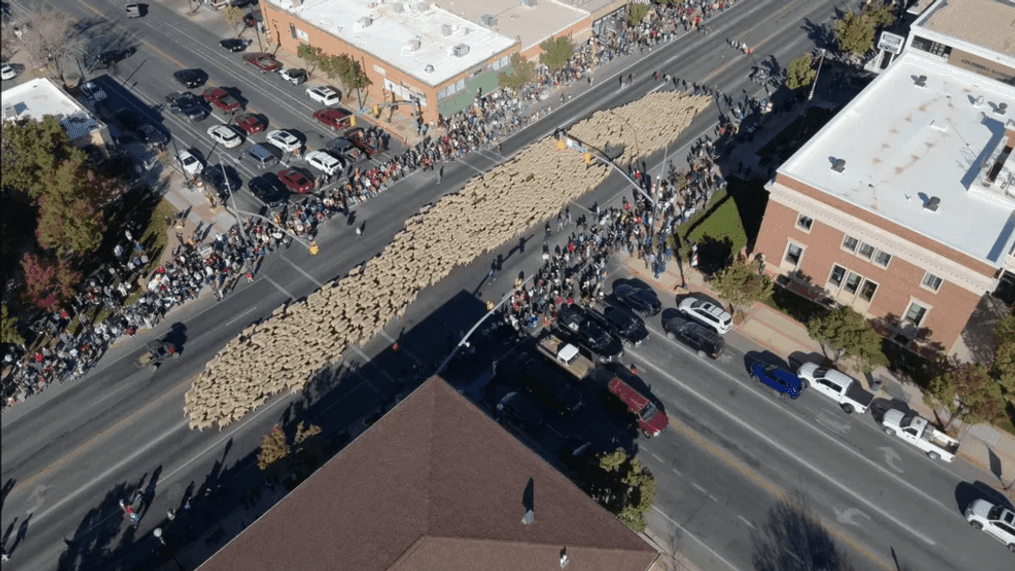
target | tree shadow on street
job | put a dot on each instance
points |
(793, 539)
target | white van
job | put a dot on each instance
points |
(324, 162)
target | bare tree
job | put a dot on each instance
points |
(793, 539)
(49, 40)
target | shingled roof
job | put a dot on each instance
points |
(435, 485)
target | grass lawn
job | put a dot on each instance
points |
(156, 235)
(717, 230)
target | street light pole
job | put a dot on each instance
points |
(816, 75)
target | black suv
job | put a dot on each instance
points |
(624, 324)
(579, 327)
(642, 301)
(190, 78)
(698, 337)
(188, 105)
(549, 386)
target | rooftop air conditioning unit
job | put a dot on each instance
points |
(921, 81)
(446, 29)
(365, 21)
(414, 44)
(461, 50)
(932, 204)
(1001, 108)
(529, 3)
(839, 166)
(489, 20)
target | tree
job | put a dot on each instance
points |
(278, 454)
(49, 40)
(349, 72)
(31, 153)
(522, 72)
(1003, 365)
(309, 54)
(967, 392)
(624, 487)
(9, 329)
(234, 17)
(849, 335)
(274, 447)
(855, 32)
(742, 284)
(69, 218)
(800, 72)
(636, 13)
(556, 53)
(48, 283)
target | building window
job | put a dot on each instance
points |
(804, 222)
(882, 259)
(915, 314)
(852, 283)
(837, 275)
(849, 244)
(931, 282)
(865, 251)
(867, 290)
(292, 30)
(794, 253)
(931, 47)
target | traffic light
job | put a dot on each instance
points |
(314, 249)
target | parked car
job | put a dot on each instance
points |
(235, 44)
(521, 409)
(345, 148)
(642, 300)
(837, 386)
(188, 105)
(324, 162)
(250, 124)
(626, 325)
(269, 189)
(995, 520)
(334, 118)
(284, 140)
(705, 341)
(190, 78)
(263, 156)
(7, 72)
(788, 385)
(225, 180)
(918, 431)
(110, 57)
(189, 162)
(152, 135)
(263, 61)
(707, 313)
(220, 98)
(651, 420)
(296, 181)
(225, 135)
(550, 387)
(134, 10)
(325, 95)
(369, 145)
(294, 75)
(580, 329)
(91, 91)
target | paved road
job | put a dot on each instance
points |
(71, 453)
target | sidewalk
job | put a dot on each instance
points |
(984, 446)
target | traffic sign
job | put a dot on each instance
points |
(890, 42)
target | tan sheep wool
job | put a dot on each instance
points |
(285, 350)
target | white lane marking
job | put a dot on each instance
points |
(695, 538)
(278, 287)
(304, 272)
(743, 519)
(713, 498)
(240, 316)
(699, 488)
(661, 461)
(778, 446)
(677, 472)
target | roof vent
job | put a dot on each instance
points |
(921, 81)
(414, 44)
(529, 3)
(979, 100)
(839, 166)
(365, 21)
(446, 29)
(461, 50)
(489, 20)
(932, 204)
(1001, 108)
(428, 68)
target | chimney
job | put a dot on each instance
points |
(932, 204)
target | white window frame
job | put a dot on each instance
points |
(926, 307)
(829, 284)
(924, 285)
(802, 227)
(859, 282)
(800, 259)
(845, 248)
(873, 251)
(859, 292)
(874, 259)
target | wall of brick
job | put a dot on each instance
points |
(278, 21)
(950, 307)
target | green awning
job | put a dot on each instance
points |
(486, 81)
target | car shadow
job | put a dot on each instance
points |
(798, 358)
(880, 406)
(966, 493)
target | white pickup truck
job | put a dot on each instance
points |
(919, 432)
(566, 356)
(837, 386)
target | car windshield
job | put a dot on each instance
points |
(820, 372)
(649, 412)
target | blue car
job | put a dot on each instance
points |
(785, 383)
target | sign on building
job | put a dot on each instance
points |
(890, 42)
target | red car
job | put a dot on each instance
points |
(334, 118)
(651, 420)
(249, 123)
(369, 145)
(296, 181)
(263, 61)
(220, 98)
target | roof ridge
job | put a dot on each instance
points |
(648, 547)
(428, 466)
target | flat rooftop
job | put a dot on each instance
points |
(533, 24)
(391, 33)
(40, 97)
(987, 23)
(904, 144)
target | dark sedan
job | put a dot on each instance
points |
(190, 78)
(642, 300)
(110, 57)
(152, 135)
(188, 105)
(234, 44)
(224, 180)
(269, 189)
(626, 325)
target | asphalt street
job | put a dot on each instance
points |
(72, 452)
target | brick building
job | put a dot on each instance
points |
(439, 54)
(903, 205)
